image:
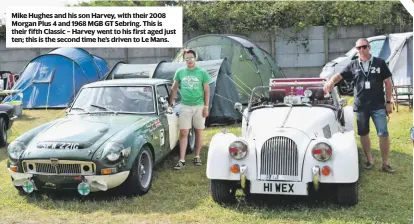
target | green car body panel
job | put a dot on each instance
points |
(83, 137)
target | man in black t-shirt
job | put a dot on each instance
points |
(369, 75)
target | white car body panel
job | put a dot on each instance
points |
(297, 126)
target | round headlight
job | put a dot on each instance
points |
(322, 152)
(238, 149)
(15, 149)
(112, 151)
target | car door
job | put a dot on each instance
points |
(165, 133)
(173, 118)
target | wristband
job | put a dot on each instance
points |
(388, 102)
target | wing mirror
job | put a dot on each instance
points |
(238, 107)
(163, 102)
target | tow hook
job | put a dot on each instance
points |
(243, 169)
(315, 176)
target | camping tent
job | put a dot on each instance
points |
(223, 93)
(251, 65)
(53, 79)
(398, 49)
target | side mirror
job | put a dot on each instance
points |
(238, 106)
(163, 102)
(343, 102)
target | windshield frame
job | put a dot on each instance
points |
(334, 95)
(109, 111)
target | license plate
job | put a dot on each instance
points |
(273, 187)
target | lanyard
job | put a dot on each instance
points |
(363, 70)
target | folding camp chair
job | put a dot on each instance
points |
(402, 93)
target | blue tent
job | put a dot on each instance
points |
(53, 79)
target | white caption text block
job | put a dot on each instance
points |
(94, 27)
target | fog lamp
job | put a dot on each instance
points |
(28, 186)
(84, 188)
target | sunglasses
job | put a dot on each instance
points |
(363, 46)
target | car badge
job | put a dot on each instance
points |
(54, 161)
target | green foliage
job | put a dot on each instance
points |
(242, 17)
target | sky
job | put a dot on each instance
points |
(6, 3)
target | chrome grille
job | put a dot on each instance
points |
(279, 158)
(63, 167)
(58, 168)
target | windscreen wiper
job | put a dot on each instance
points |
(79, 108)
(104, 108)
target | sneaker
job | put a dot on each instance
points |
(368, 166)
(179, 165)
(197, 161)
(388, 169)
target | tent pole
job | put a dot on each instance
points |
(47, 99)
(73, 79)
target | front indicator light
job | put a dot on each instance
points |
(326, 170)
(108, 171)
(235, 168)
(14, 168)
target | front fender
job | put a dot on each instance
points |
(343, 163)
(139, 142)
(218, 158)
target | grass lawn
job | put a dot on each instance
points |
(182, 196)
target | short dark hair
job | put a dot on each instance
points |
(186, 51)
(363, 39)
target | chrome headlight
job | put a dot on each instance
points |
(322, 152)
(238, 149)
(15, 149)
(112, 151)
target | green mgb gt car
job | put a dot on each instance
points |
(112, 136)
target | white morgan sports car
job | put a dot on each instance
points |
(294, 139)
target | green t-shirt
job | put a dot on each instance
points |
(191, 85)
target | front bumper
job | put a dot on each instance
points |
(96, 182)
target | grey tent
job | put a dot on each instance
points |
(251, 65)
(400, 62)
(399, 47)
(223, 93)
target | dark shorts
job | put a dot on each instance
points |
(379, 117)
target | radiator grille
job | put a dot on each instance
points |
(279, 157)
(59, 168)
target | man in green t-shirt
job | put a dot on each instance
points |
(193, 83)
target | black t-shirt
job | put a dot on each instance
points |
(369, 86)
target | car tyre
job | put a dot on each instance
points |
(140, 179)
(3, 132)
(347, 194)
(191, 141)
(223, 191)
